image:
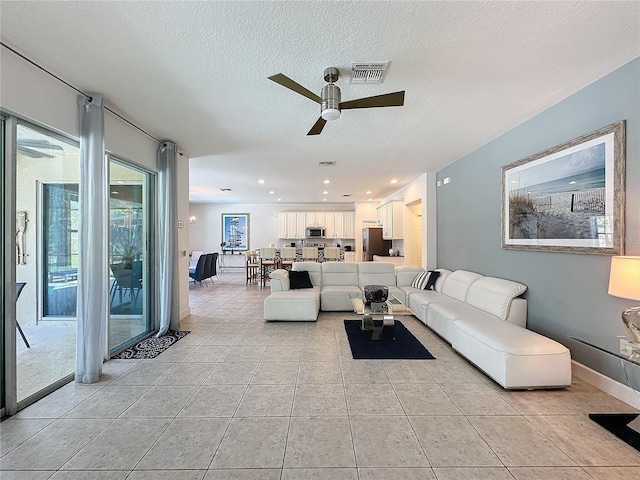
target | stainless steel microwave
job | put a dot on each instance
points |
(315, 232)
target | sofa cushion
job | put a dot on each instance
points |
(337, 298)
(406, 274)
(314, 269)
(494, 295)
(299, 279)
(513, 356)
(441, 316)
(376, 273)
(444, 274)
(279, 280)
(457, 284)
(339, 273)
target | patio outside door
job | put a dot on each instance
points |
(130, 255)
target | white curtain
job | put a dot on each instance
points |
(93, 274)
(168, 308)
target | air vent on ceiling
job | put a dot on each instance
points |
(226, 189)
(368, 72)
(327, 164)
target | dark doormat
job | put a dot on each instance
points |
(152, 346)
(404, 347)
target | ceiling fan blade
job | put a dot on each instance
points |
(296, 87)
(317, 127)
(395, 99)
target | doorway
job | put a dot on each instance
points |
(130, 253)
(413, 233)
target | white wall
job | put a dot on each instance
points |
(206, 234)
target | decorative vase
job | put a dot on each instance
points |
(631, 321)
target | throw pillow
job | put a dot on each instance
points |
(425, 280)
(299, 279)
(433, 276)
(420, 281)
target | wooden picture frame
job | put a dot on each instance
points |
(569, 198)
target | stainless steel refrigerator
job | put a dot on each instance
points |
(373, 244)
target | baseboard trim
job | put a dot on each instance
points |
(185, 313)
(609, 385)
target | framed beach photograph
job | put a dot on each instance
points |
(235, 232)
(569, 198)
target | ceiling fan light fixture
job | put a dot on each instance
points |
(330, 114)
(330, 102)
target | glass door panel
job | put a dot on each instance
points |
(47, 176)
(130, 238)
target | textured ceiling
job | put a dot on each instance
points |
(196, 73)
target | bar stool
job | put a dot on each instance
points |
(287, 257)
(251, 266)
(309, 254)
(268, 262)
(331, 254)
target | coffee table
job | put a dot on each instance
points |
(382, 327)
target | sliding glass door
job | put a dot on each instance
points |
(46, 212)
(130, 253)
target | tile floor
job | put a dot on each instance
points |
(242, 399)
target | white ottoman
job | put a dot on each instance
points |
(293, 305)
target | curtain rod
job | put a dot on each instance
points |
(78, 90)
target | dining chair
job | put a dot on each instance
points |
(332, 254)
(268, 263)
(251, 266)
(197, 274)
(309, 254)
(287, 257)
(19, 287)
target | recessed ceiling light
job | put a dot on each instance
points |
(325, 192)
(271, 192)
(324, 199)
(262, 180)
(279, 199)
(371, 199)
(368, 192)
(394, 180)
(327, 181)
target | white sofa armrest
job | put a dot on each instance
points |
(518, 312)
(279, 280)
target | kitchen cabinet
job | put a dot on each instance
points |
(349, 225)
(391, 215)
(350, 256)
(397, 261)
(301, 227)
(283, 231)
(337, 224)
(315, 219)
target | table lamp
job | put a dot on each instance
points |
(624, 282)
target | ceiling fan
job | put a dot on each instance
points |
(330, 104)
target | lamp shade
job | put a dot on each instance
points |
(624, 278)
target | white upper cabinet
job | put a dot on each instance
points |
(336, 224)
(315, 219)
(349, 225)
(391, 216)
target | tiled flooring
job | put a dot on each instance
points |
(242, 399)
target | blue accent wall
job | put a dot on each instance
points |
(567, 293)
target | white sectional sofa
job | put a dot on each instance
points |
(483, 318)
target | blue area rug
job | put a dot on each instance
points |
(404, 347)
